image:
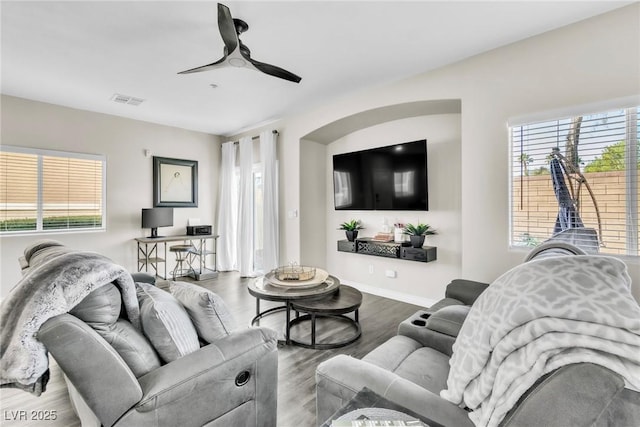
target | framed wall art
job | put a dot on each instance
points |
(175, 183)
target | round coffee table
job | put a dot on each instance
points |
(336, 306)
(262, 289)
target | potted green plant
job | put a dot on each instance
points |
(417, 233)
(351, 229)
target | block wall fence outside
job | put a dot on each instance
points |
(539, 209)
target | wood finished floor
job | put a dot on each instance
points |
(379, 318)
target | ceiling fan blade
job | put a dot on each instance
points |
(219, 63)
(227, 28)
(275, 71)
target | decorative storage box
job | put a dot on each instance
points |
(424, 254)
(346, 246)
(391, 250)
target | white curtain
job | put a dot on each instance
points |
(227, 253)
(270, 203)
(245, 209)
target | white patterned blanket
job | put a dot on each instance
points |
(57, 279)
(537, 317)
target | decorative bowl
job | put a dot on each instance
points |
(295, 272)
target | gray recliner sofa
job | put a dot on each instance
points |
(134, 352)
(411, 369)
(231, 382)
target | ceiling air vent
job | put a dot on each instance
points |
(126, 99)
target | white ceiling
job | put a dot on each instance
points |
(78, 54)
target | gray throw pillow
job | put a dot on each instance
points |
(166, 323)
(207, 310)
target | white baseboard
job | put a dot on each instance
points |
(394, 295)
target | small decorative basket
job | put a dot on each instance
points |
(295, 272)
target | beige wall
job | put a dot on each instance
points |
(571, 66)
(443, 149)
(129, 173)
(313, 206)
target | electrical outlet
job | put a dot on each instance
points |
(370, 268)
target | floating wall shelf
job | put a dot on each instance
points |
(367, 246)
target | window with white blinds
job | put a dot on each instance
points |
(577, 172)
(44, 190)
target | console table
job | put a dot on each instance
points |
(149, 254)
(368, 246)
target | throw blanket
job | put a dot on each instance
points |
(57, 279)
(537, 317)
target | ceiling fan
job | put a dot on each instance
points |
(236, 54)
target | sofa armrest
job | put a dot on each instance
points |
(448, 320)
(573, 395)
(340, 378)
(444, 302)
(213, 380)
(437, 330)
(466, 291)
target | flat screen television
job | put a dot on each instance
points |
(157, 217)
(386, 178)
